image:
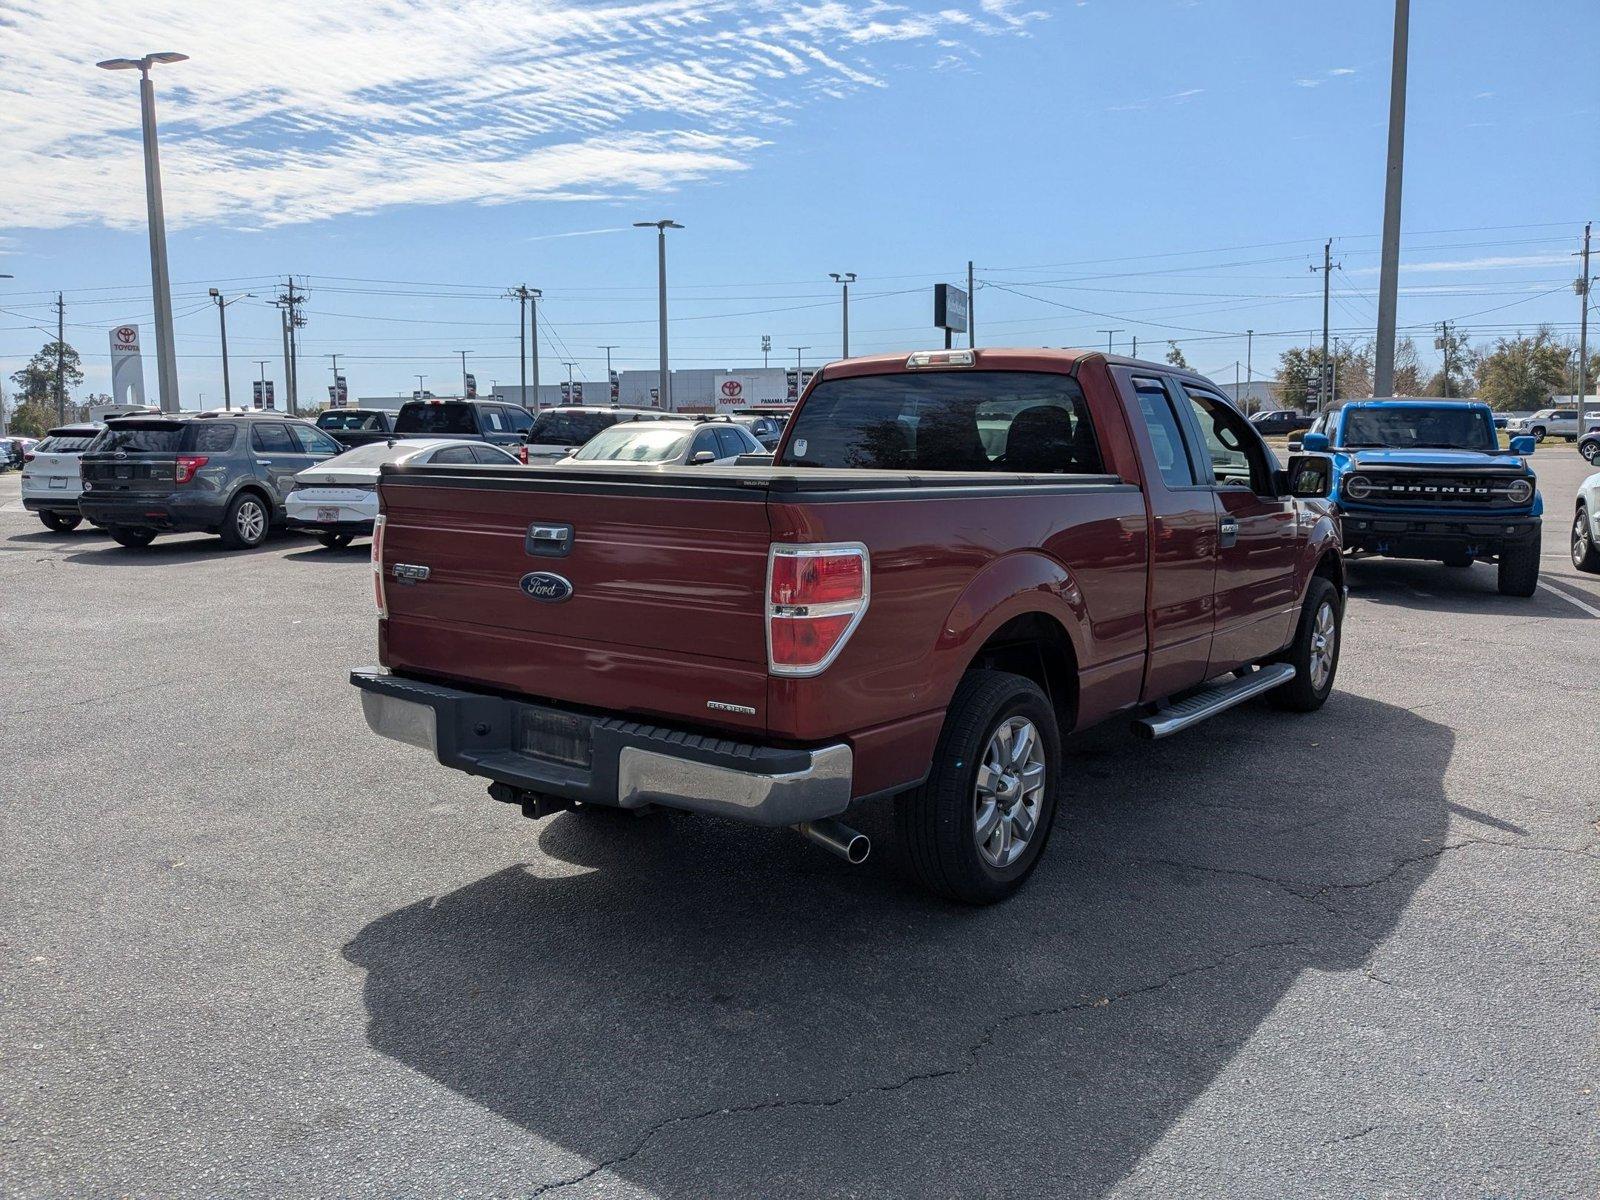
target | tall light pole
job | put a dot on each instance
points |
(463, 354)
(222, 321)
(1110, 334)
(261, 364)
(661, 228)
(608, 350)
(160, 281)
(570, 389)
(1389, 267)
(1249, 361)
(335, 392)
(420, 388)
(844, 281)
(799, 370)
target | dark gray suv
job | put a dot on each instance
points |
(223, 473)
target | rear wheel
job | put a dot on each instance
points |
(974, 830)
(1538, 433)
(245, 526)
(61, 522)
(335, 541)
(1314, 653)
(1585, 554)
(133, 539)
(1590, 450)
(1519, 569)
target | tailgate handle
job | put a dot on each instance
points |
(548, 540)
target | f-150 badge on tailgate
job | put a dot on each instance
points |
(546, 587)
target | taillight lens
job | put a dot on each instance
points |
(188, 464)
(522, 454)
(816, 596)
(27, 456)
(377, 567)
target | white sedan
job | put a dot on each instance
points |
(666, 442)
(1586, 526)
(338, 499)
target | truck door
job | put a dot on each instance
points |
(1258, 534)
(1183, 538)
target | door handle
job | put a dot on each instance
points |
(1227, 532)
(265, 462)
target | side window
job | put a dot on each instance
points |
(209, 438)
(730, 443)
(1166, 434)
(314, 441)
(453, 455)
(706, 439)
(521, 419)
(494, 420)
(1235, 455)
(270, 437)
(489, 456)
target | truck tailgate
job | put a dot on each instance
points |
(665, 615)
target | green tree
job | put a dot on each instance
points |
(1463, 360)
(1175, 356)
(1297, 369)
(1523, 372)
(37, 380)
(1407, 369)
(33, 418)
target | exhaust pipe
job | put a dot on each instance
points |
(838, 837)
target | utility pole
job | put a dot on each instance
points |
(1324, 375)
(295, 322)
(1110, 334)
(61, 360)
(288, 371)
(533, 339)
(335, 392)
(766, 348)
(1583, 331)
(1135, 353)
(261, 364)
(1249, 357)
(222, 320)
(1389, 268)
(520, 294)
(844, 281)
(972, 308)
(1444, 344)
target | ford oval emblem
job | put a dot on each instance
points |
(546, 587)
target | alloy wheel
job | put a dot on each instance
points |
(1324, 645)
(1580, 540)
(251, 522)
(1009, 792)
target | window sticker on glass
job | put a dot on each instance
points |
(799, 447)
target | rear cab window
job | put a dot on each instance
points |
(143, 437)
(568, 427)
(429, 417)
(1001, 421)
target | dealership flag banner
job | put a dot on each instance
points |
(127, 371)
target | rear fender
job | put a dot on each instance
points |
(1011, 586)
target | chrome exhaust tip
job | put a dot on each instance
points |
(837, 837)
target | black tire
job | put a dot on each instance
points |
(1459, 560)
(335, 541)
(1585, 554)
(1306, 692)
(133, 539)
(1590, 450)
(1538, 433)
(1519, 569)
(1570, 437)
(246, 525)
(61, 522)
(937, 822)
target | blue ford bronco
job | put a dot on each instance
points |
(1427, 479)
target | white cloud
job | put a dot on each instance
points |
(1492, 263)
(295, 112)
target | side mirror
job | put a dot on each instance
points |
(1314, 443)
(701, 457)
(1522, 445)
(1310, 477)
(569, 452)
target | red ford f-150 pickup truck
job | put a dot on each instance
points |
(954, 560)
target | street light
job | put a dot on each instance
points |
(160, 281)
(420, 389)
(799, 369)
(222, 321)
(661, 228)
(844, 281)
(262, 363)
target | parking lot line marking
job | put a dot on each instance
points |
(1572, 600)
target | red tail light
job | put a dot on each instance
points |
(188, 464)
(816, 596)
(27, 456)
(377, 567)
(522, 454)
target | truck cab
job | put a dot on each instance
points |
(1428, 479)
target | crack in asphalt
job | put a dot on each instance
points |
(970, 1060)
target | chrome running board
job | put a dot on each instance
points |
(1211, 700)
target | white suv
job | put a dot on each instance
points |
(51, 482)
(1551, 422)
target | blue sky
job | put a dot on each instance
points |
(1169, 169)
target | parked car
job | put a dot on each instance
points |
(227, 475)
(1428, 479)
(338, 499)
(1280, 421)
(356, 426)
(1547, 422)
(767, 429)
(892, 608)
(1589, 443)
(681, 442)
(51, 482)
(492, 421)
(10, 454)
(1586, 526)
(558, 432)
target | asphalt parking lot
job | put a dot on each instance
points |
(250, 949)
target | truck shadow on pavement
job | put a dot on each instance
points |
(1434, 587)
(698, 1009)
